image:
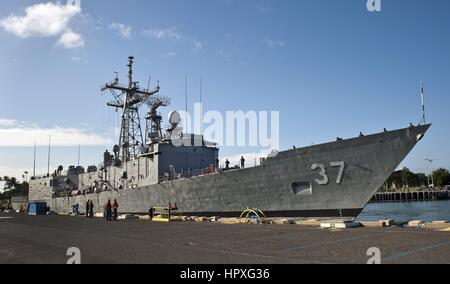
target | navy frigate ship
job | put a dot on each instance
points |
(335, 179)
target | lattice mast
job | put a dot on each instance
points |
(129, 98)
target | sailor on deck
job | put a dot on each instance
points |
(242, 162)
(227, 164)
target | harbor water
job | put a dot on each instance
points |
(406, 211)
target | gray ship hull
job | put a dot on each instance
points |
(330, 180)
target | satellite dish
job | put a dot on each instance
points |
(174, 118)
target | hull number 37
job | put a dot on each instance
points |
(323, 173)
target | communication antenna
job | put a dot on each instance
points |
(79, 154)
(423, 103)
(149, 80)
(201, 90)
(49, 151)
(430, 168)
(201, 106)
(186, 97)
(34, 163)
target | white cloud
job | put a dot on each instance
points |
(228, 55)
(163, 34)
(198, 46)
(123, 30)
(7, 122)
(79, 60)
(71, 40)
(274, 43)
(168, 54)
(231, 36)
(46, 20)
(263, 9)
(172, 34)
(23, 134)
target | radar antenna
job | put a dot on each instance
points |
(129, 98)
(154, 119)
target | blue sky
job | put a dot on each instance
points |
(330, 67)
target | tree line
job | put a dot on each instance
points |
(406, 178)
(12, 187)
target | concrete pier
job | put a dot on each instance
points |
(412, 196)
(46, 239)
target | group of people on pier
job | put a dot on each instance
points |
(110, 212)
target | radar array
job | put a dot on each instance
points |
(154, 119)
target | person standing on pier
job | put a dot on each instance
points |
(115, 208)
(87, 208)
(108, 211)
(91, 209)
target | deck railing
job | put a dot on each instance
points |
(188, 174)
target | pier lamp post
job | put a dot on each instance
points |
(430, 168)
